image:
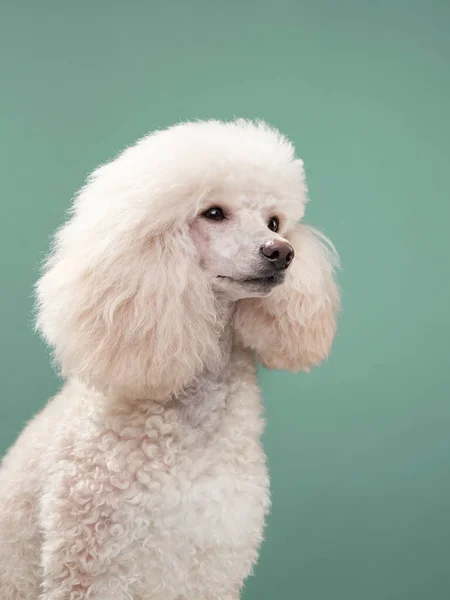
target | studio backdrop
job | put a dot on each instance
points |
(359, 449)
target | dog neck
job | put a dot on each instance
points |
(202, 402)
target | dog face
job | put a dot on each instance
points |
(240, 244)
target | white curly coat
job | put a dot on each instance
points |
(144, 478)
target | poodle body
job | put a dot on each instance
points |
(145, 478)
(150, 501)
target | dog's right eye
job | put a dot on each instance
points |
(215, 213)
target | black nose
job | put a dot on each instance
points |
(279, 252)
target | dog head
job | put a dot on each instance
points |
(158, 238)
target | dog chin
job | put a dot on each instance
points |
(251, 287)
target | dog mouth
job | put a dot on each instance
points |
(262, 281)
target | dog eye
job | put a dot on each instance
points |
(215, 213)
(273, 224)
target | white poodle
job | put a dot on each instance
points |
(182, 261)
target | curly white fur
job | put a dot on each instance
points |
(144, 478)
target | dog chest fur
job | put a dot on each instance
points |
(199, 486)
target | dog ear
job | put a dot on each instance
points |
(122, 300)
(293, 328)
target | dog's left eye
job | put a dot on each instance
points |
(215, 213)
(273, 224)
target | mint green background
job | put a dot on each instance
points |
(359, 450)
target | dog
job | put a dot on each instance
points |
(183, 262)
